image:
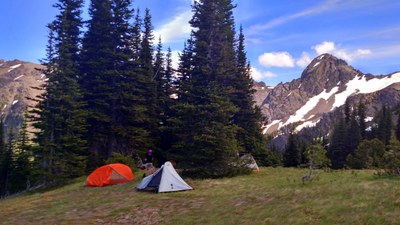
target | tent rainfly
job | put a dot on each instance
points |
(115, 173)
(165, 179)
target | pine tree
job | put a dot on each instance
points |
(392, 158)
(125, 61)
(147, 69)
(338, 151)
(398, 128)
(146, 50)
(6, 165)
(159, 73)
(208, 141)
(42, 117)
(185, 69)
(22, 171)
(61, 120)
(168, 87)
(98, 80)
(361, 119)
(181, 112)
(135, 86)
(388, 125)
(354, 129)
(383, 121)
(167, 101)
(271, 157)
(397, 132)
(291, 156)
(248, 118)
(3, 159)
(347, 111)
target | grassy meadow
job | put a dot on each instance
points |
(272, 196)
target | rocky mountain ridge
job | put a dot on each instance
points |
(311, 100)
(17, 82)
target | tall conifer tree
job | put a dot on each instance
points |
(292, 155)
(353, 130)
(138, 91)
(97, 72)
(147, 69)
(338, 151)
(3, 159)
(208, 140)
(248, 118)
(61, 119)
(361, 119)
(22, 168)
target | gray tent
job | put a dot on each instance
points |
(165, 179)
(250, 162)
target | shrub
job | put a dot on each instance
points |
(392, 158)
(369, 154)
(124, 159)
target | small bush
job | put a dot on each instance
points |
(124, 159)
(218, 170)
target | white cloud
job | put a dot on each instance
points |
(343, 54)
(324, 47)
(276, 59)
(175, 30)
(258, 75)
(348, 55)
(304, 60)
(389, 51)
(361, 52)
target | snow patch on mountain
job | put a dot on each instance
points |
(312, 102)
(307, 124)
(13, 67)
(273, 123)
(18, 77)
(360, 85)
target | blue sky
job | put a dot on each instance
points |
(282, 37)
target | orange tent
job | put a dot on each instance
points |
(115, 173)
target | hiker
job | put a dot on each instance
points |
(149, 168)
(149, 159)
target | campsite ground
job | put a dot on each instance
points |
(272, 196)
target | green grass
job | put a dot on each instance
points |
(273, 196)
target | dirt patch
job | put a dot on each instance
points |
(149, 214)
(140, 215)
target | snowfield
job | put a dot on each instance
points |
(358, 85)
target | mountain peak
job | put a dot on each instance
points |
(326, 71)
(324, 64)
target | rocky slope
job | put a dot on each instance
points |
(262, 92)
(17, 79)
(312, 100)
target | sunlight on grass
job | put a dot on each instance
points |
(272, 196)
